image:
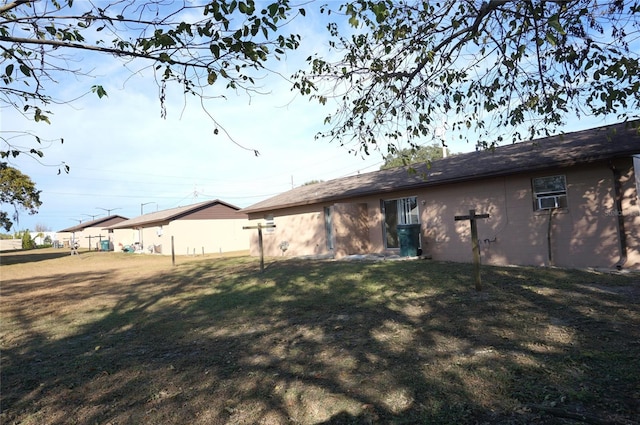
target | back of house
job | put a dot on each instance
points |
(569, 201)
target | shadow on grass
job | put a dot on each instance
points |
(30, 256)
(332, 343)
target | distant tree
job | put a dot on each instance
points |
(18, 191)
(27, 242)
(194, 45)
(42, 228)
(414, 155)
(310, 182)
(505, 69)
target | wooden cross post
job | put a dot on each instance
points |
(472, 217)
(260, 226)
(73, 244)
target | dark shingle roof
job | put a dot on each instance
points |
(586, 146)
(104, 221)
(167, 215)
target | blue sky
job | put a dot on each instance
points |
(123, 155)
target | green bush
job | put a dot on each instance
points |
(27, 242)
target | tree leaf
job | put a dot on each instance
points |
(555, 24)
(99, 90)
(25, 70)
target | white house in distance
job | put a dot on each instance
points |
(40, 238)
(204, 228)
(90, 234)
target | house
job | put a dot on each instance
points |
(89, 234)
(569, 200)
(42, 238)
(203, 228)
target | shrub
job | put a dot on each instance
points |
(27, 242)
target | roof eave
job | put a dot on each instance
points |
(505, 172)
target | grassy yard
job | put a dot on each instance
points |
(108, 338)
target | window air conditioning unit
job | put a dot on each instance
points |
(548, 202)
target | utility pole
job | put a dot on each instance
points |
(147, 203)
(108, 210)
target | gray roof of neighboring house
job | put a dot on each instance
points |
(104, 221)
(586, 146)
(168, 215)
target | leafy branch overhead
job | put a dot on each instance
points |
(502, 69)
(18, 191)
(487, 71)
(419, 154)
(218, 42)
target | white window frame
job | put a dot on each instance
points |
(405, 211)
(548, 198)
(405, 214)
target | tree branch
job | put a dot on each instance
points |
(538, 56)
(9, 6)
(117, 52)
(468, 32)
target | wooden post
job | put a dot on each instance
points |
(260, 226)
(473, 217)
(173, 253)
(72, 244)
(261, 248)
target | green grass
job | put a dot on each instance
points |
(307, 342)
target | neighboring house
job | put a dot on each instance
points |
(209, 227)
(569, 201)
(40, 238)
(90, 234)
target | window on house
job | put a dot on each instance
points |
(549, 193)
(398, 211)
(270, 221)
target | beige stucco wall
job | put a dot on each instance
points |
(585, 234)
(631, 214)
(123, 237)
(351, 228)
(10, 244)
(214, 236)
(582, 235)
(88, 238)
(302, 228)
(189, 237)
